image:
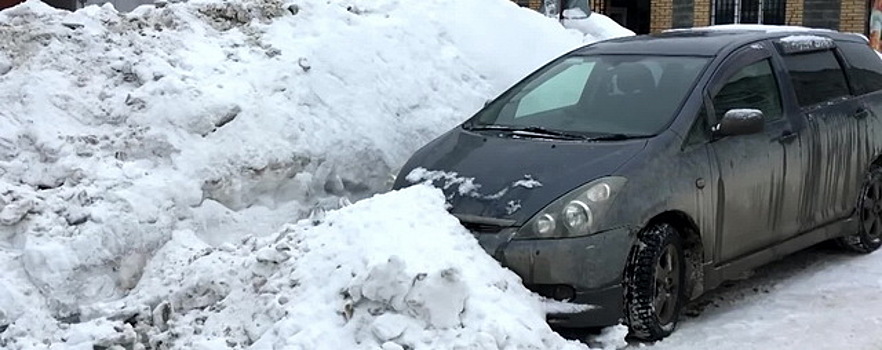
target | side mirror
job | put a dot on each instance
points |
(740, 122)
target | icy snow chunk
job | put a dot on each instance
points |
(271, 255)
(5, 64)
(15, 212)
(527, 182)
(801, 43)
(439, 298)
(389, 326)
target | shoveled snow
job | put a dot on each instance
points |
(148, 161)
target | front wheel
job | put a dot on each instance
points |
(869, 235)
(655, 283)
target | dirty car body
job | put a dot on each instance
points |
(747, 145)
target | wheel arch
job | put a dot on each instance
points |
(693, 247)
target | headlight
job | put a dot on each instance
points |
(577, 216)
(575, 213)
(545, 225)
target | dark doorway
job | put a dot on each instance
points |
(631, 14)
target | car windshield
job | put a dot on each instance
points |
(599, 96)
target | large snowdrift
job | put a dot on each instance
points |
(147, 158)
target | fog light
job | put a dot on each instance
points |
(577, 216)
(564, 293)
(545, 225)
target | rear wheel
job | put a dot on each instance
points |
(654, 283)
(869, 235)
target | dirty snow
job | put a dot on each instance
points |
(150, 162)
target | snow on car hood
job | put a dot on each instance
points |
(511, 178)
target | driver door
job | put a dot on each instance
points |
(751, 168)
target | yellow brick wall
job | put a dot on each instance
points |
(853, 16)
(793, 12)
(534, 4)
(661, 15)
(702, 12)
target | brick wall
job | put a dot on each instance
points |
(853, 16)
(683, 13)
(793, 12)
(661, 15)
(843, 15)
(702, 13)
(821, 14)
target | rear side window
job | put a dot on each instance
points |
(865, 71)
(817, 77)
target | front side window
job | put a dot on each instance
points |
(598, 95)
(817, 77)
(753, 87)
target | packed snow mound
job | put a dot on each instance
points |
(392, 272)
(213, 121)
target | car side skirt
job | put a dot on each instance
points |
(717, 274)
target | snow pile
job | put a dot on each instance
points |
(130, 141)
(390, 272)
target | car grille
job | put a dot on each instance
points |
(481, 228)
(480, 224)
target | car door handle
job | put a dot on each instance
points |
(787, 137)
(861, 113)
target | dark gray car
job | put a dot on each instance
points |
(637, 173)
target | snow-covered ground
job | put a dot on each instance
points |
(155, 165)
(821, 298)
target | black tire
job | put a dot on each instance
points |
(655, 293)
(869, 210)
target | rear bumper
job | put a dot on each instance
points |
(591, 267)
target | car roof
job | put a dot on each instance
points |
(705, 41)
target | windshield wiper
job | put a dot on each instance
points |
(535, 130)
(616, 137)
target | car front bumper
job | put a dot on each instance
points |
(582, 270)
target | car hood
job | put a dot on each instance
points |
(494, 176)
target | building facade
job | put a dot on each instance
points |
(652, 16)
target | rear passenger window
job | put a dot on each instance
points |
(752, 87)
(817, 77)
(865, 71)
